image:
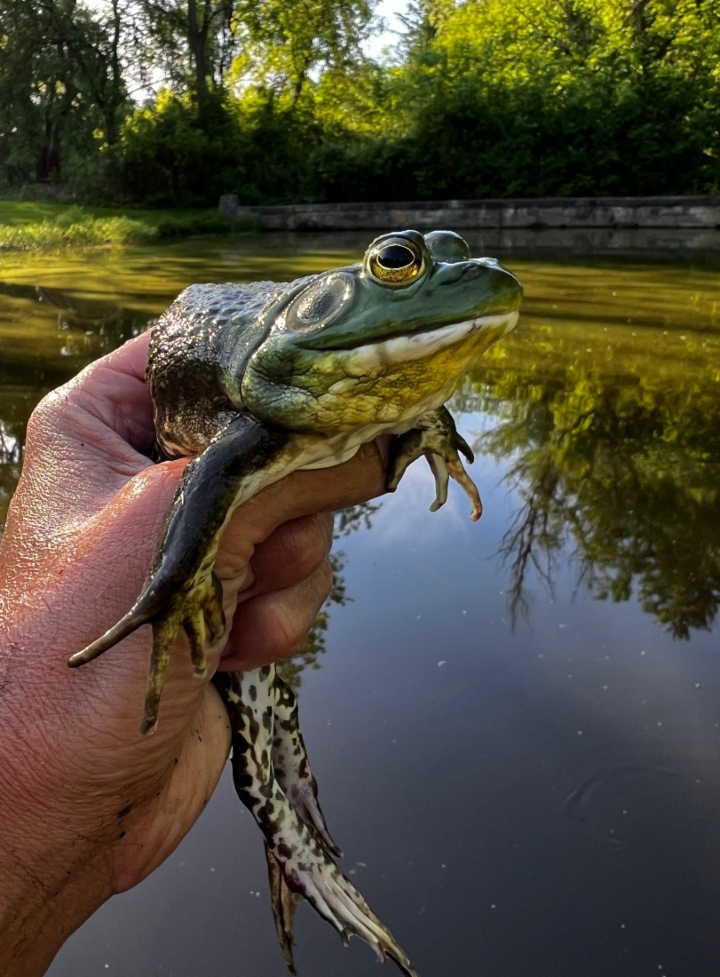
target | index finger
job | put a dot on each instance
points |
(89, 437)
(298, 494)
(113, 391)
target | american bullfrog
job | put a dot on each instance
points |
(258, 380)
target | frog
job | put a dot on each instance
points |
(257, 380)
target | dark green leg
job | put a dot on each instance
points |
(181, 590)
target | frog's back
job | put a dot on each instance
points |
(197, 357)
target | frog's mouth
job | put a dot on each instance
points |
(415, 346)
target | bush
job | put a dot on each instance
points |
(165, 157)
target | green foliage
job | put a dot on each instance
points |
(166, 157)
(277, 102)
(61, 85)
(568, 97)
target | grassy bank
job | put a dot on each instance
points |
(34, 225)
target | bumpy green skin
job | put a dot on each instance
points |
(260, 380)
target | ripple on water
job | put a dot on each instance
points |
(613, 803)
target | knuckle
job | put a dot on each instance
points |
(301, 608)
(326, 578)
(308, 543)
(47, 412)
(291, 632)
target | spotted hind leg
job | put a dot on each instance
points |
(304, 865)
(292, 767)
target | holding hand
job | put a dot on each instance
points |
(88, 807)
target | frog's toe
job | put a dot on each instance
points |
(337, 899)
(436, 437)
(201, 616)
(204, 623)
(284, 903)
(299, 866)
(197, 610)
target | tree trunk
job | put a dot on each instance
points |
(197, 39)
(112, 127)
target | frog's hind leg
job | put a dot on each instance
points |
(293, 773)
(304, 864)
(284, 902)
(292, 767)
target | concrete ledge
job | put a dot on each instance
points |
(597, 212)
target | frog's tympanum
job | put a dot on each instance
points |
(261, 379)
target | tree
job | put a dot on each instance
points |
(60, 79)
(194, 40)
(284, 44)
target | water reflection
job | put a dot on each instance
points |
(606, 400)
(617, 457)
(346, 522)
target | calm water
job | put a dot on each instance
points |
(516, 724)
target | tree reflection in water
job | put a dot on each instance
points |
(346, 522)
(621, 470)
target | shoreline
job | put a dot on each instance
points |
(616, 213)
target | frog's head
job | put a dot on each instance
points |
(382, 341)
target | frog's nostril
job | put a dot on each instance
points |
(476, 269)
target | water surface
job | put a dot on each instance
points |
(516, 724)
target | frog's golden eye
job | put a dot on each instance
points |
(395, 262)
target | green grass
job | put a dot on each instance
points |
(29, 225)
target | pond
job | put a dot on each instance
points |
(515, 724)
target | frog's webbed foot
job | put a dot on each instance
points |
(299, 862)
(435, 436)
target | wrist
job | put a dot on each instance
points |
(40, 910)
(53, 872)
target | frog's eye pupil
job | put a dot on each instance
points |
(395, 256)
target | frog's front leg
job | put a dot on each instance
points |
(181, 590)
(434, 435)
(299, 862)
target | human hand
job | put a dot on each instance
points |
(88, 807)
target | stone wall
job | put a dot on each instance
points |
(592, 212)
